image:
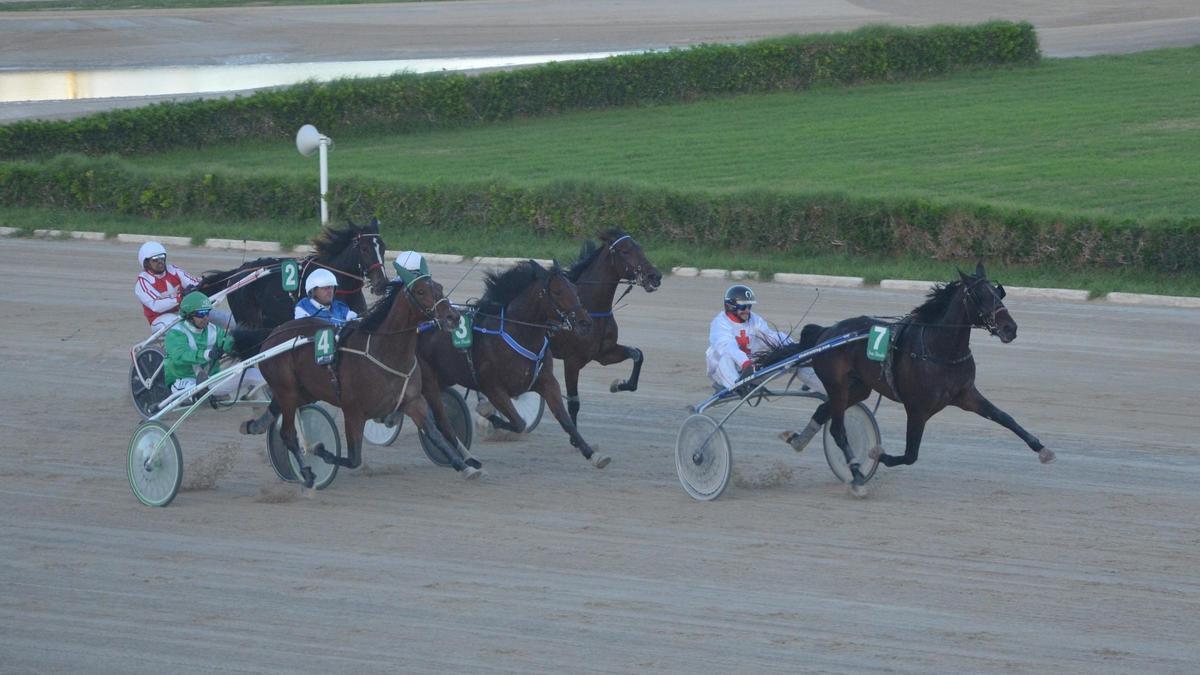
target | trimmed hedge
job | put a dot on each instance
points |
(807, 224)
(409, 102)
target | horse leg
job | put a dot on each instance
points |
(418, 411)
(501, 404)
(912, 439)
(263, 422)
(571, 375)
(800, 439)
(977, 403)
(353, 422)
(289, 434)
(616, 354)
(547, 386)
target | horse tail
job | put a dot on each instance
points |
(248, 341)
(809, 335)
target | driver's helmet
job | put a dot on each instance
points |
(195, 302)
(409, 260)
(150, 249)
(739, 297)
(319, 279)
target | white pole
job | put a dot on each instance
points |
(324, 180)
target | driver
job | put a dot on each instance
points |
(194, 349)
(736, 334)
(319, 301)
(160, 285)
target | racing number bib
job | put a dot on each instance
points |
(324, 346)
(461, 337)
(289, 274)
(877, 342)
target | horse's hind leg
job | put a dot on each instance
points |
(418, 411)
(571, 376)
(291, 441)
(976, 402)
(800, 439)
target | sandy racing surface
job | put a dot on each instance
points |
(977, 558)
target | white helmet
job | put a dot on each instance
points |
(150, 249)
(409, 260)
(319, 279)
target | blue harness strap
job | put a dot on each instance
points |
(600, 315)
(538, 358)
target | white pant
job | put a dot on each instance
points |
(724, 372)
(250, 379)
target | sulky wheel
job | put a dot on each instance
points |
(862, 433)
(377, 433)
(460, 421)
(147, 367)
(155, 464)
(703, 458)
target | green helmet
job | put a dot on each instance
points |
(194, 302)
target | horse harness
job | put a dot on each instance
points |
(539, 359)
(311, 261)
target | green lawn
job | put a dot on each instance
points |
(1114, 135)
(664, 254)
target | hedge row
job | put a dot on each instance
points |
(408, 102)
(807, 224)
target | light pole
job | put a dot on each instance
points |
(308, 141)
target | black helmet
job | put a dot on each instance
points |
(738, 297)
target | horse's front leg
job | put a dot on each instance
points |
(617, 353)
(547, 386)
(291, 441)
(503, 414)
(418, 411)
(912, 439)
(977, 403)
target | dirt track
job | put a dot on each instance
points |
(977, 558)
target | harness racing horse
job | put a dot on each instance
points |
(600, 269)
(510, 350)
(375, 375)
(928, 366)
(354, 254)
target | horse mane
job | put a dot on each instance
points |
(225, 277)
(936, 303)
(332, 241)
(501, 288)
(379, 311)
(590, 251)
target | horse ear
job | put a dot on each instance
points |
(374, 225)
(962, 275)
(405, 276)
(979, 271)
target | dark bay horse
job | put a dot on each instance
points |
(375, 374)
(929, 366)
(510, 350)
(354, 254)
(600, 269)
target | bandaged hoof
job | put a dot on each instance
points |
(857, 490)
(485, 409)
(875, 453)
(615, 386)
(470, 473)
(600, 461)
(1047, 456)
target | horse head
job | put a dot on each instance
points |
(561, 300)
(369, 250)
(629, 260)
(985, 307)
(428, 297)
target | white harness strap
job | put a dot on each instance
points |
(366, 353)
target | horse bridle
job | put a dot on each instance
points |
(989, 320)
(563, 316)
(639, 273)
(430, 311)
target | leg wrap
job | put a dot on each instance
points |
(801, 440)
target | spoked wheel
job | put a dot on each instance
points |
(703, 458)
(155, 464)
(862, 433)
(315, 426)
(460, 421)
(377, 433)
(149, 362)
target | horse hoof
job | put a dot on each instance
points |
(245, 428)
(600, 461)
(472, 462)
(485, 409)
(858, 490)
(470, 473)
(1047, 456)
(615, 386)
(875, 453)
(309, 477)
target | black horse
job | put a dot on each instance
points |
(354, 254)
(600, 269)
(928, 366)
